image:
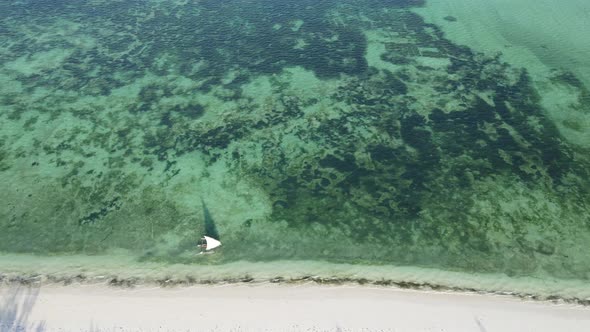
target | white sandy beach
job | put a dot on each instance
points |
(264, 306)
(280, 308)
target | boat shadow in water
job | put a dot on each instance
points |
(182, 248)
(210, 228)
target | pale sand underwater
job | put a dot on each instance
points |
(543, 36)
(534, 34)
(280, 308)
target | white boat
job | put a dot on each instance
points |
(208, 243)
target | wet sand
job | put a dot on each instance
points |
(271, 307)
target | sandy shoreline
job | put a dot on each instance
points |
(273, 307)
(124, 270)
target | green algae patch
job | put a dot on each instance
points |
(349, 132)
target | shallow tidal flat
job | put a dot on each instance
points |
(350, 134)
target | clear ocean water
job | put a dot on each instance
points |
(451, 136)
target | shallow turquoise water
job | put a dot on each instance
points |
(339, 131)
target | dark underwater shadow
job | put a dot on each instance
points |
(16, 305)
(210, 228)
